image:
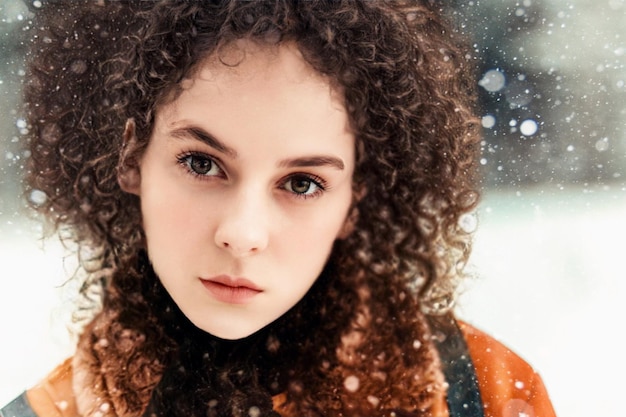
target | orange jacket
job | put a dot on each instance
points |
(509, 387)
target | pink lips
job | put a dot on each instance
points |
(231, 290)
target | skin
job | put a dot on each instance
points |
(247, 176)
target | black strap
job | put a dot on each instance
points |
(463, 392)
(19, 407)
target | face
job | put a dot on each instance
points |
(244, 186)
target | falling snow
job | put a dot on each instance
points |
(528, 127)
(351, 383)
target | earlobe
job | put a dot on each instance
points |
(128, 173)
(353, 216)
(350, 223)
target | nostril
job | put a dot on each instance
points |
(239, 241)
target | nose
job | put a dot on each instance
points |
(243, 229)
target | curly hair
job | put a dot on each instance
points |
(408, 88)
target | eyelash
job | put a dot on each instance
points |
(318, 182)
(185, 160)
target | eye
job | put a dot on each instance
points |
(201, 165)
(304, 185)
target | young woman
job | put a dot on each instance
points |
(266, 196)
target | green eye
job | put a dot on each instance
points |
(201, 165)
(301, 185)
(304, 186)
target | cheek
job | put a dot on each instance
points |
(310, 240)
(169, 215)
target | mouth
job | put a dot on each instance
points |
(231, 290)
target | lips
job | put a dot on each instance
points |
(231, 290)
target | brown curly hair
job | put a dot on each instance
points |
(408, 87)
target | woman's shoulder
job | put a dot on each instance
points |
(54, 395)
(509, 386)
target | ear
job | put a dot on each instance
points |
(128, 174)
(353, 216)
(349, 223)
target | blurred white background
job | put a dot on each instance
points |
(550, 284)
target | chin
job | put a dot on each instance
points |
(230, 336)
(229, 332)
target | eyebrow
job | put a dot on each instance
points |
(312, 161)
(202, 135)
(199, 134)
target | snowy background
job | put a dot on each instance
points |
(549, 254)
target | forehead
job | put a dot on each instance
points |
(247, 61)
(268, 93)
(245, 71)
